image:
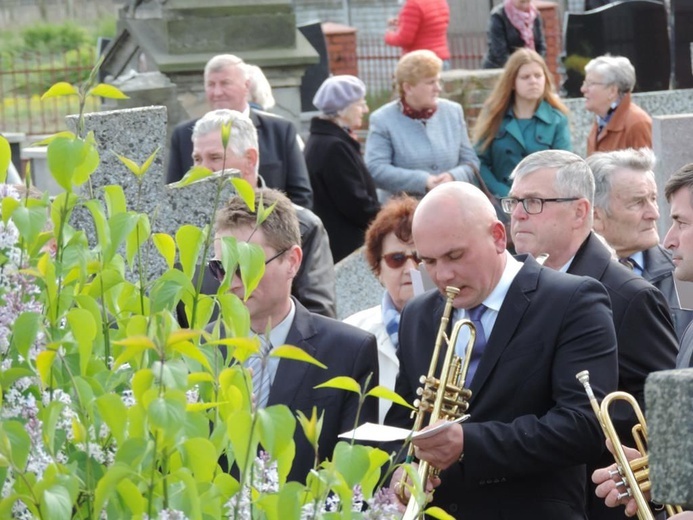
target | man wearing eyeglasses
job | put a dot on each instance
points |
(550, 206)
(314, 284)
(343, 349)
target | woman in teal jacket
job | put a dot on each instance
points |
(522, 115)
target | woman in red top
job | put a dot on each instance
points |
(422, 24)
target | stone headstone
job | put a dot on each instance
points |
(178, 37)
(636, 29)
(317, 73)
(671, 144)
(669, 399)
(136, 133)
(355, 285)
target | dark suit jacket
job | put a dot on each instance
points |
(646, 342)
(344, 193)
(346, 351)
(314, 284)
(281, 160)
(504, 39)
(659, 271)
(531, 428)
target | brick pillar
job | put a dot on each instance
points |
(552, 35)
(341, 48)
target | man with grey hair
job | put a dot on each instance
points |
(281, 160)
(550, 205)
(626, 214)
(314, 284)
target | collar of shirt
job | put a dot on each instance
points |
(278, 337)
(566, 266)
(494, 301)
(638, 260)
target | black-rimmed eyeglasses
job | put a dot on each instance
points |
(218, 271)
(532, 205)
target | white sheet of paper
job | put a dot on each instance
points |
(381, 433)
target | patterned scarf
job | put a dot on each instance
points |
(523, 21)
(390, 319)
(412, 113)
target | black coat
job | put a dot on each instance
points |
(531, 428)
(281, 161)
(646, 340)
(504, 39)
(344, 194)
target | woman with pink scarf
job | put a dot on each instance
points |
(514, 24)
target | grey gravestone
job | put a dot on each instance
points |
(669, 398)
(355, 285)
(136, 133)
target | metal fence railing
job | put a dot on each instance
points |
(25, 77)
(377, 61)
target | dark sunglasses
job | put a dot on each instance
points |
(397, 260)
(218, 271)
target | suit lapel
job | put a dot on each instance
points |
(290, 373)
(592, 259)
(511, 312)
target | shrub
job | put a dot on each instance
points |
(54, 38)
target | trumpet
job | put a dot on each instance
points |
(635, 474)
(444, 397)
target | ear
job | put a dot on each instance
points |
(583, 209)
(599, 220)
(294, 257)
(251, 157)
(499, 236)
(406, 87)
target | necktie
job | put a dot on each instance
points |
(628, 262)
(475, 315)
(262, 377)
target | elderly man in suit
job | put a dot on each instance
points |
(522, 453)
(345, 350)
(550, 205)
(281, 159)
(314, 283)
(626, 214)
(679, 239)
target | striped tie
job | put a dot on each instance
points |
(475, 315)
(262, 377)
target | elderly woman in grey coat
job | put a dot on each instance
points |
(418, 141)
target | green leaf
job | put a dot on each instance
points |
(440, 514)
(137, 237)
(245, 191)
(352, 462)
(134, 346)
(166, 246)
(225, 134)
(342, 383)
(44, 362)
(24, 332)
(266, 212)
(63, 156)
(167, 290)
(115, 199)
(239, 428)
(385, 393)
(30, 221)
(194, 174)
(120, 227)
(56, 504)
(168, 412)
(15, 443)
(251, 259)
(131, 165)
(277, 425)
(5, 158)
(131, 496)
(189, 240)
(106, 91)
(187, 349)
(295, 353)
(108, 483)
(88, 163)
(148, 163)
(60, 89)
(201, 457)
(113, 413)
(83, 329)
(101, 225)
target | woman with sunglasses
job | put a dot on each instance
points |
(391, 254)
